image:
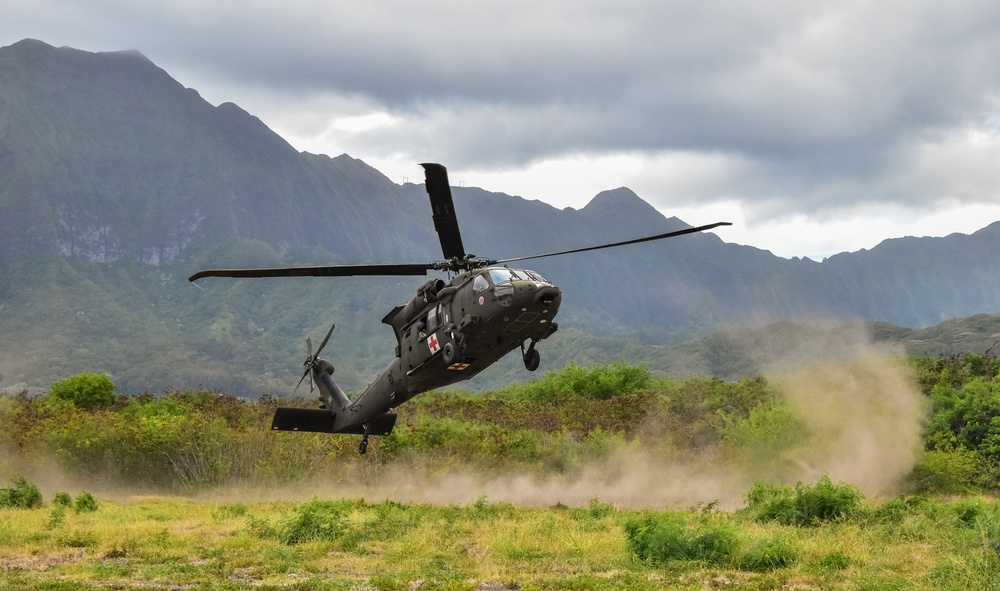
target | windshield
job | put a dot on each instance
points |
(533, 276)
(500, 275)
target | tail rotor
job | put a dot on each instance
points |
(313, 361)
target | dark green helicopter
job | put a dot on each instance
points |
(450, 331)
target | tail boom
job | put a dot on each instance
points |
(315, 420)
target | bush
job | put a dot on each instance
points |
(600, 382)
(62, 499)
(805, 505)
(84, 503)
(770, 429)
(945, 472)
(85, 390)
(666, 537)
(826, 501)
(314, 520)
(23, 495)
(771, 502)
(57, 517)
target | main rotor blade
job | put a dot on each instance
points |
(318, 271)
(626, 242)
(445, 221)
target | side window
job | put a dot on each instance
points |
(428, 324)
(480, 284)
(434, 319)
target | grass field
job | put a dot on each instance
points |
(589, 478)
(176, 543)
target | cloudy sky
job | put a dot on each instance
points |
(816, 127)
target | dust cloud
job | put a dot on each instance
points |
(858, 417)
(863, 421)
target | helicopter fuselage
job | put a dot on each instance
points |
(451, 331)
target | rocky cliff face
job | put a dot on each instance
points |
(107, 158)
(116, 183)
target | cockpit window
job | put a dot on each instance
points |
(480, 284)
(501, 275)
(533, 276)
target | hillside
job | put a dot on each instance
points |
(116, 183)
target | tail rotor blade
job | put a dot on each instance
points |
(304, 374)
(325, 339)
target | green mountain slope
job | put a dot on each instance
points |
(116, 183)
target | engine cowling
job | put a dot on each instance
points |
(426, 294)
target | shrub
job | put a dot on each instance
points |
(945, 471)
(771, 502)
(86, 390)
(62, 499)
(891, 512)
(803, 505)
(314, 520)
(23, 495)
(826, 501)
(594, 381)
(666, 538)
(84, 503)
(970, 512)
(768, 430)
(57, 517)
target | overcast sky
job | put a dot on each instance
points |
(816, 127)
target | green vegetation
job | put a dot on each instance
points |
(819, 533)
(84, 503)
(962, 435)
(598, 382)
(86, 390)
(563, 423)
(23, 495)
(153, 543)
(803, 505)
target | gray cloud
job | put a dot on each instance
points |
(802, 106)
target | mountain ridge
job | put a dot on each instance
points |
(116, 183)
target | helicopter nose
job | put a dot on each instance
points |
(548, 295)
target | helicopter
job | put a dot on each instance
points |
(448, 332)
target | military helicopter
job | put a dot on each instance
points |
(448, 332)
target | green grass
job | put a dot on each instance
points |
(161, 542)
(555, 438)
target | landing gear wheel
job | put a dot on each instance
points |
(364, 440)
(531, 359)
(448, 353)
